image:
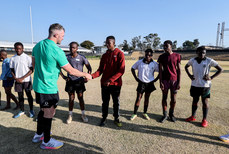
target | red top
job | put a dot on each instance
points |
(112, 66)
(169, 63)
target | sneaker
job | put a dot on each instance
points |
(84, 118)
(146, 116)
(133, 117)
(19, 114)
(192, 118)
(37, 138)
(102, 122)
(172, 118)
(224, 138)
(31, 114)
(117, 123)
(163, 119)
(52, 144)
(69, 120)
(204, 123)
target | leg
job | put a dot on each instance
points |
(164, 105)
(48, 115)
(8, 94)
(194, 105)
(81, 101)
(172, 103)
(21, 100)
(137, 102)
(82, 106)
(106, 99)
(71, 100)
(30, 99)
(115, 93)
(146, 102)
(205, 108)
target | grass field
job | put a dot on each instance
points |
(138, 136)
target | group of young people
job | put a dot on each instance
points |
(48, 60)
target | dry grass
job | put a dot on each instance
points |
(139, 136)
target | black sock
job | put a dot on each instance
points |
(47, 129)
(194, 108)
(145, 108)
(205, 113)
(135, 109)
(40, 122)
(171, 112)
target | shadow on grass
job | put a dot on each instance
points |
(146, 129)
(18, 140)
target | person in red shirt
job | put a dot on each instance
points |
(112, 67)
(169, 75)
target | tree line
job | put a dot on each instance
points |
(151, 41)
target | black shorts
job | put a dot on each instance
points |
(145, 87)
(75, 86)
(7, 83)
(47, 100)
(19, 87)
(204, 92)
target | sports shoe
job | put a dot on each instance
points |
(117, 123)
(31, 114)
(146, 116)
(84, 118)
(163, 118)
(52, 144)
(204, 123)
(102, 122)
(37, 138)
(224, 138)
(19, 114)
(192, 118)
(69, 120)
(133, 117)
(172, 118)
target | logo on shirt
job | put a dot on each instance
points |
(77, 59)
(204, 65)
(46, 104)
(115, 56)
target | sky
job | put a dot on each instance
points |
(94, 20)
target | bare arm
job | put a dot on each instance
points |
(187, 71)
(75, 72)
(219, 71)
(178, 75)
(134, 74)
(160, 76)
(88, 66)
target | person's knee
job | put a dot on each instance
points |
(49, 112)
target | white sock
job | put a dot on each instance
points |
(70, 112)
(83, 111)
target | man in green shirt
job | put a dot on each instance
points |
(48, 59)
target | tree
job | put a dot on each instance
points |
(189, 45)
(125, 46)
(152, 40)
(87, 44)
(175, 44)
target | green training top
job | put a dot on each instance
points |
(49, 59)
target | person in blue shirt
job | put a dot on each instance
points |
(7, 80)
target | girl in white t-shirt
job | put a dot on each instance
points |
(146, 68)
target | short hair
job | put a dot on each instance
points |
(149, 50)
(55, 27)
(201, 48)
(74, 43)
(2, 51)
(110, 37)
(168, 42)
(18, 43)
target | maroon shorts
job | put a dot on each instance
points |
(172, 85)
